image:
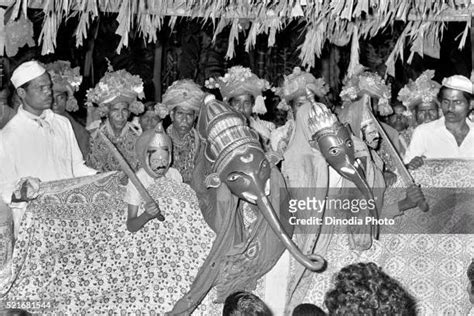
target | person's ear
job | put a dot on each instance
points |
(21, 92)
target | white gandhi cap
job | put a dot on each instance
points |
(26, 72)
(458, 82)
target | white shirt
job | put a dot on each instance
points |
(43, 147)
(434, 141)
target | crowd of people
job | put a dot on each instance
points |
(41, 141)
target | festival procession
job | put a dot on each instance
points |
(238, 157)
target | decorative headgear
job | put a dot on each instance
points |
(26, 72)
(458, 82)
(295, 85)
(239, 81)
(184, 93)
(366, 82)
(117, 86)
(65, 79)
(227, 131)
(422, 90)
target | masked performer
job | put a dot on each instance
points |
(116, 95)
(185, 237)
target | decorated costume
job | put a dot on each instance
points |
(115, 87)
(67, 80)
(419, 93)
(245, 203)
(241, 81)
(187, 95)
(185, 237)
(294, 87)
(352, 113)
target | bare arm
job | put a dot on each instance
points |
(134, 222)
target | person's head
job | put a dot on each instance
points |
(244, 303)
(308, 310)
(398, 120)
(242, 90)
(118, 114)
(470, 286)
(59, 101)
(183, 99)
(243, 103)
(149, 119)
(455, 98)
(426, 112)
(154, 149)
(364, 289)
(34, 87)
(300, 85)
(183, 119)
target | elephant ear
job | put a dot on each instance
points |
(212, 181)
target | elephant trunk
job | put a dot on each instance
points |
(312, 262)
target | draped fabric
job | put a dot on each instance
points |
(428, 253)
(74, 252)
(309, 176)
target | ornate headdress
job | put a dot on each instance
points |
(238, 81)
(366, 82)
(184, 93)
(295, 85)
(116, 86)
(227, 132)
(321, 119)
(422, 90)
(65, 79)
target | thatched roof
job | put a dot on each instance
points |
(336, 21)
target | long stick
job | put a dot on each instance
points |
(131, 175)
(406, 176)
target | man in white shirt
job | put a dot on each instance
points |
(37, 144)
(451, 136)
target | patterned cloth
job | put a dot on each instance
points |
(100, 157)
(184, 151)
(432, 267)
(74, 250)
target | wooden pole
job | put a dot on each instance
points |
(157, 70)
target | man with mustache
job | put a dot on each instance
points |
(182, 100)
(451, 136)
(37, 144)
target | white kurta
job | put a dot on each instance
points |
(43, 147)
(434, 141)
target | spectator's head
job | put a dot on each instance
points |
(34, 87)
(398, 120)
(455, 98)
(149, 119)
(364, 289)
(308, 310)
(245, 304)
(470, 286)
(426, 112)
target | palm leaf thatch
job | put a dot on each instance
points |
(335, 21)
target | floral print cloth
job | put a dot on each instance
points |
(74, 251)
(430, 264)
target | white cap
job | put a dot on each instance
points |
(26, 72)
(458, 82)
